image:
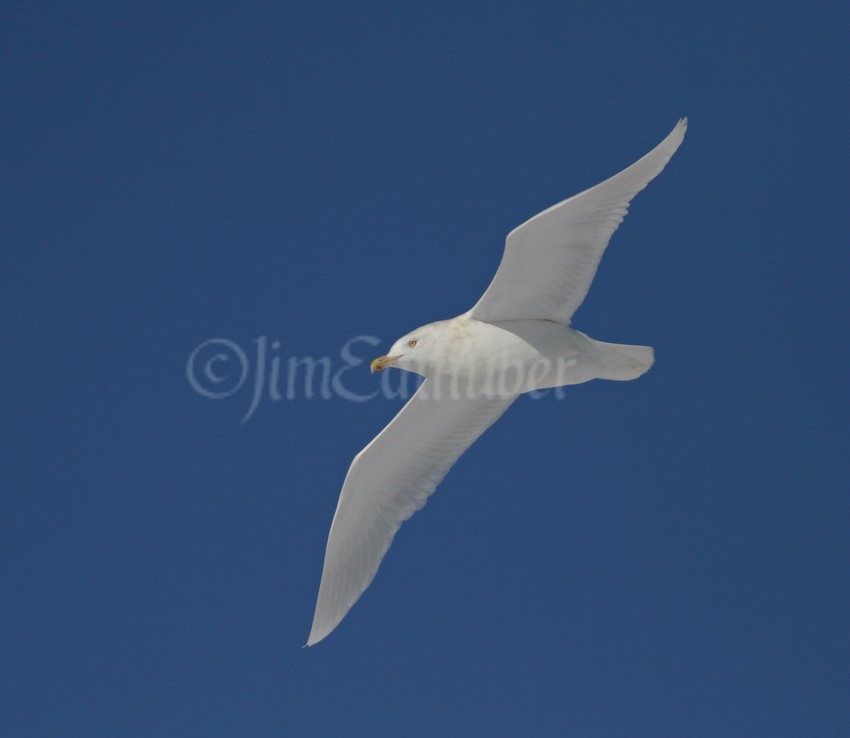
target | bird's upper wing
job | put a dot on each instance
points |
(387, 482)
(551, 259)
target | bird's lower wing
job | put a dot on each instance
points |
(387, 482)
(550, 260)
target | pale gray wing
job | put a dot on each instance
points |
(551, 259)
(387, 482)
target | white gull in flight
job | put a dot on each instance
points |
(516, 339)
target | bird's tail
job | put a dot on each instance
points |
(622, 362)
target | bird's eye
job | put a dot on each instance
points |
(412, 343)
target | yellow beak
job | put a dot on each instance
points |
(382, 362)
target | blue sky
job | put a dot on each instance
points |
(665, 557)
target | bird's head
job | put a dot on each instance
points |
(421, 351)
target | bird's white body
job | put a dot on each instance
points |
(517, 338)
(512, 357)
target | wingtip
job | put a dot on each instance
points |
(674, 138)
(316, 636)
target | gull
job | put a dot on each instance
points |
(517, 338)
